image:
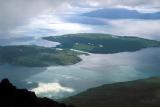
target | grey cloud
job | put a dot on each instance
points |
(14, 13)
(130, 3)
(17, 12)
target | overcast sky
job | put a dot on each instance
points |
(16, 13)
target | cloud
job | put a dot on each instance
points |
(50, 25)
(140, 28)
(51, 89)
(15, 13)
(124, 2)
(18, 12)
(142, 5)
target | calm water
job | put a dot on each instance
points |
(38, 42)
(94, 70)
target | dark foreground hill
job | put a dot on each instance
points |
(140, 93)
(10, 96)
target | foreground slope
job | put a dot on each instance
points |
(102, 43)
(12, 97)
(140, 93)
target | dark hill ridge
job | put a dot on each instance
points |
(139, 93)
(10, 96)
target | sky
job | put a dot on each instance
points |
(23, 20)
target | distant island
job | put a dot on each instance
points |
(36, 56)
(102, 43)
(139, 93)
(10, 96)
(122, 13)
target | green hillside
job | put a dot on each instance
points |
(102, 43)
(35, 56)
(140, 93)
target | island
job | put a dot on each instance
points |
(139, 93)
(36, 56)
(71, 46)
(102, 43)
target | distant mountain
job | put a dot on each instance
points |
(140, 93)
(121, 13)
(10, 96)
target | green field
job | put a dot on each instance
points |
(102, 43)
(35, 56)
(140, 93)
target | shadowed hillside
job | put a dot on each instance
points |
(140, 93)
(12, 97)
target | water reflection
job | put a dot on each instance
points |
(97, 69)
(94, 70)
(37, 42)
(18, 75)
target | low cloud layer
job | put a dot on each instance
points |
(129, 3)
(15, 13)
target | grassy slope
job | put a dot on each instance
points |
(102, 43)
(35, 56)
(140, 93)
